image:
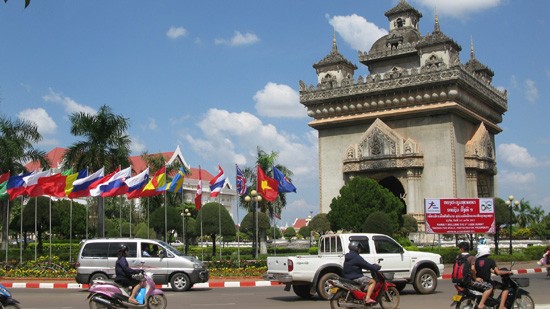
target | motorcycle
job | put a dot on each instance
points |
(517, 297)
(6, 301)
(109, 294)
(348, 293)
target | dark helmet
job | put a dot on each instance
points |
(123, 248)
(354, 245)
(464, 246)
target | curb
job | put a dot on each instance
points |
(61, 285)
(219, 284)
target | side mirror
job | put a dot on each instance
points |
(162, 253)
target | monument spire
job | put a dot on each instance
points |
(472, 54)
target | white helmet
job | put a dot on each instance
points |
(483, 250)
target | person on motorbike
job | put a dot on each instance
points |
(484, 267)
(124, 274)
(353, 269)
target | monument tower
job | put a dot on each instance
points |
(420, 122)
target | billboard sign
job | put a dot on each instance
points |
(460, 215)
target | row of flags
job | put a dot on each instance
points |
(80, 184)
(120, 182)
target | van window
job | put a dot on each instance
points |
(149, 249)
(107, 249)
(97, 249)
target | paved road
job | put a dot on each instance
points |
(258, 297)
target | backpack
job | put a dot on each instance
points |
(462, 270)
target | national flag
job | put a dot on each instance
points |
(116, 186)
(32, 188)
(241, 181)
(217, 183)
(284, 184)
(56, 184)
(4, 184)
(135, 184)
(95, 189)
(71, 178)
(177, 182)
(81, 186)
(154, 186)
(198, 195)
(16, 185)
(266, 186)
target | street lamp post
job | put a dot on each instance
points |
(255, 198)
(185, 222)
(511, 203)
(308, 219)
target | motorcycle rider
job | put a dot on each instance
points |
(124, 274)
(484, 267)
(353, 269)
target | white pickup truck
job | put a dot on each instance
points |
(308, 274)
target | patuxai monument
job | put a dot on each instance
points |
(420, 122)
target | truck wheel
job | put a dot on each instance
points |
(302, 290)
(425, 281)
(322, 285)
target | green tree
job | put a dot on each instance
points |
(502, 217)
(359, 198)
(248, 225)
(380, 222)
(410, 225)
(209, 215)
(106, 144)
(305, 231)
(67, 222)
(41, 206)
(523, 213)
(16, 146)
(141, 231)
(275, 232)
(266, 161)
(289, 233)
(171, 224)
(320, 224)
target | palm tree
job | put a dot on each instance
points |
(16, 146)
(523, 213)
(106, 144)
(266, 161)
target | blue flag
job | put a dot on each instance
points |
(284, 184)
(241, 181)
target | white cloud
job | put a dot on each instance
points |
(137, 146)
(516, 179)
(277, 100)
(176, 32)
(239, 39)
(514, 81)
(44, 123)
(531, 91)
(516, 155)
(70, 105)
(152, 124)
(359, 33)
(459, 9)
(231, 138)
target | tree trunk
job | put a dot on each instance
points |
(213, 237)
(263, 242)
(496, 239)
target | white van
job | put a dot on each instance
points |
(97, 258)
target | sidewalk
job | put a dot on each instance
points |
(524, 267)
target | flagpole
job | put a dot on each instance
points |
(7, 226)
(70, 233)
(238, 232)
(35, 227)
(50, 230)
(120, 216)
(202, 245)
(87, 221)
(165, 218)
(131, 206)
(148, 218)
(21, 232)
(220, 225)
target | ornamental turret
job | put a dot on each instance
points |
(334, 70)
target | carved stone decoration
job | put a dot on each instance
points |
(381, 148)
(480, 153)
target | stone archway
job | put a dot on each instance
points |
(394, 186)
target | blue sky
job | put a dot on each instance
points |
(219, 78)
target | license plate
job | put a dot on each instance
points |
(457, 297)
(333, 290)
